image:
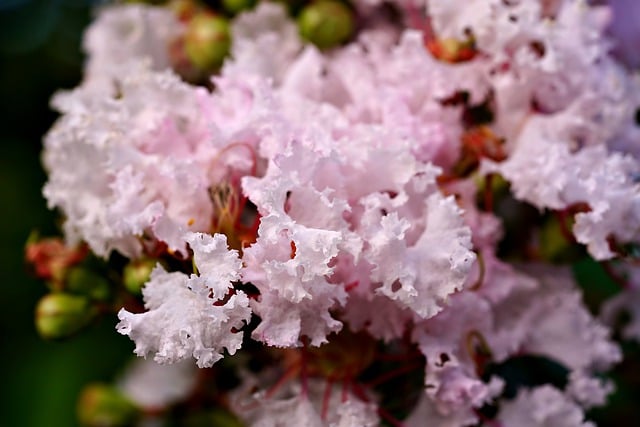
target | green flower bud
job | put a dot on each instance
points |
(237, 6)
(60, 315)
(222, 418)
(88, 283)
(293, 6)
(185, 9)
(555, 240)
(217, 417)
(104, 406)
(137, 273)
(155, 2)
(207, 41)
(326, 23)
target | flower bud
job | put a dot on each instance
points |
(85, 282)
(153, 2)
(59, 315)
(452, 50)
(185, 9)
(136, 274)
(51, 259)
(217, 417)
(104, 406)
(237, 6)
(326, 23)
(207, 41)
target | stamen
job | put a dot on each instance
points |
(326, 398)
(481, 272)
(479, 350)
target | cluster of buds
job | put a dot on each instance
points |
(202, 48)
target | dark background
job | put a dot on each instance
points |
(39, 381)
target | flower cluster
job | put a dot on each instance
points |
(328, 201)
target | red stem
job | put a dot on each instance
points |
(304, 376)
(360, 393)
(291, 372)
(619, 280)
(562, 219)
(392, 374)
(326, 398)
(488, 192)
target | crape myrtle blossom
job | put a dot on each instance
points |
(106, 172)
(155, 386)
(183, 320)
(542, 406)
(312, 214)
(123, 36)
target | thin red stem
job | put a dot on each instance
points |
(326, 398)
(392, 374)
(482, 271)
(613, 275)
(291, 372)
(304, 375)
(488, 192)
(345, 391)
(360, 393)
(562, 220)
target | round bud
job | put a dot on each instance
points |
(185, 9)
(217, 417)
(237, 6)
(101, 405)
(88, 283)
(326, 23)
(136, 274)
(207, 41)
(154, 2)
(60, 315)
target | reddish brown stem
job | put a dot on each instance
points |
(304, 375)
(291, 372)
(392, 374)
(488, 192)
(562, 220)
(613, 275)
(482, 270)
(326, 398)
(360, 393)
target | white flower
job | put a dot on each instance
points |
(153, 386)
(543, 406)
(121, 168)
(123, 35)
(189, 316)
(314, 407)
(264, 41)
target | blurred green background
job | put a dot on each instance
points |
(39, 53)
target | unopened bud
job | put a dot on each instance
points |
(154, 2)
(105, 406)
(236, 6)
(207, 41)
(136, 274)
(452, 50)
(216, 417)
(85, 282)
(59, 315)
(326, 23)
(222, 418)
(185, 9)
(51, 258)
